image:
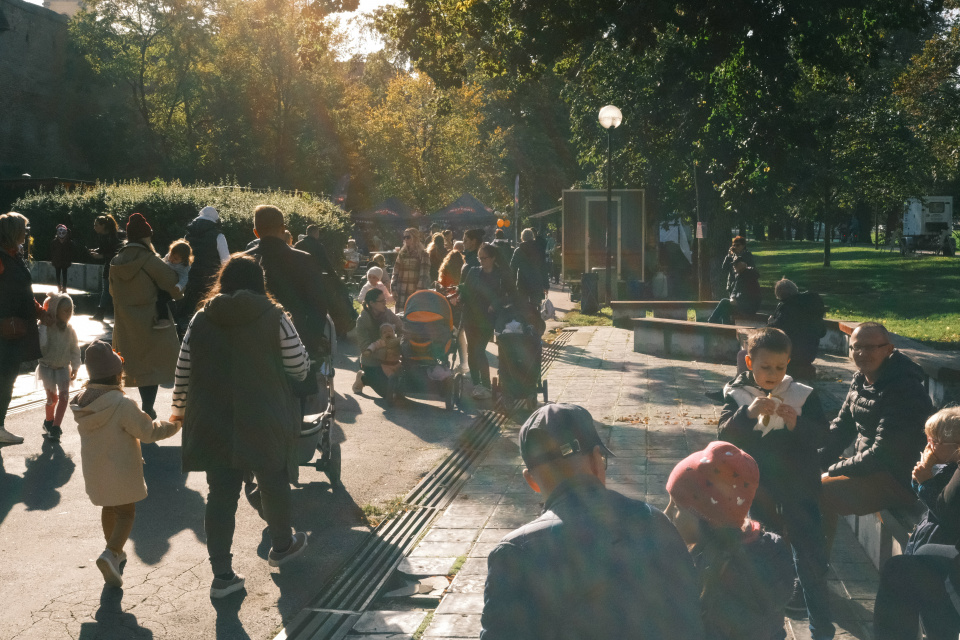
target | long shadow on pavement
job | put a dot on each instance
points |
(112, 622)
(170, 507)
(46, 472)
(228, 625)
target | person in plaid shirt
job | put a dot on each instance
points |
(411, 272)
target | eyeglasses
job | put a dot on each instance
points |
(867, 348)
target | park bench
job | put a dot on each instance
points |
(884, 534)
(624, 311)
(703, 341)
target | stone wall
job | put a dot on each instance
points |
(42, 100)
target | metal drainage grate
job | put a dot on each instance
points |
(333, 613)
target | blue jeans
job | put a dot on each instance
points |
(802, 525)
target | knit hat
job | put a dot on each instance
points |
(138, 227)
(784, 289)
(62, 231)
(557, 431)
(718, 484)
(376, 272)
(209, 213)
(52, 302)
(102, 361)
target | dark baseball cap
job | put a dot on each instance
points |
(558, 431)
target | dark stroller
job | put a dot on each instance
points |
(428, 350)
(519, 347)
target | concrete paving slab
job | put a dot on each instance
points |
(441, 549)
(461, 603)
(455, 625)
(426, 566)
(390, 622)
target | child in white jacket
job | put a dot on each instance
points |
(59, 362)
(111, 427)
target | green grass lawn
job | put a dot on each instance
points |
(917, 297)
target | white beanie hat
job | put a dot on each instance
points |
(209, 213)
(376, 272)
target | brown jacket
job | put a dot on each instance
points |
(149, 355)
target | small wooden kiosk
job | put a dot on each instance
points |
(585, 232)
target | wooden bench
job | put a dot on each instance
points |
(625, 310)
(884, 534)
(703, 341)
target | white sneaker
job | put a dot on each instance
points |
(358, 383)
(110, 568)
(9, 438)
(481, 393)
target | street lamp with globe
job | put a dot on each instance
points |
(610, 118)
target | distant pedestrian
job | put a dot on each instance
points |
(61, 256)
(108, 235)
(179, 258)
(411, 271)
(528, 269)
(738, 249)
(746, 574)
(484, 292)
(800, 316)
(351, 258)
(450, 270)
(595, 564)
(238, 419)
(19, 312)
(312, 245)
(448, 240)
(210, 251)
(137, 274)
(472, 239)
(111, 428)
(59, 362)
(437, 253)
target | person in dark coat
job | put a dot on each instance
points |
(484, 292)
(210, 251)
(913, 586)
(780, 423)
(745, 573)
(19, 312)
(884, 411)
(234, 396)
(596, 564)
(375, 314)
(292, 276)
(311, 244)
(529, 269)
(738, 249)
(61, 256)
(472, 239)
(800, 316)
(339, 301)
(745, 298)
(108, 235)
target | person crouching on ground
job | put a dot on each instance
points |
(59, 363)
(780, 422)
(240, 418)
(387, 349)
(375, 281)
(374, 315)
(746, 574)
(111, 427)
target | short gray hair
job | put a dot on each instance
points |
(784, 289)
(526, 235)
(12, 226)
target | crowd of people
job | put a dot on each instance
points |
(750, 524)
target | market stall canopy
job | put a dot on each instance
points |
(391, 210)
(464, 212)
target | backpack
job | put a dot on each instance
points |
(547, 310)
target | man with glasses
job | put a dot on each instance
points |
(596, 564)
(884, 411)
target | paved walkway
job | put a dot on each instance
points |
(653, 413)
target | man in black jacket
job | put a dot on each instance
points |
(595, 564)
(292, 277)
(745, 298)
(885, 410)
(800, 316)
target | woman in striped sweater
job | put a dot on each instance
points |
(233, 393)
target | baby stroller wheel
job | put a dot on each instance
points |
(449, 393)
(544, 389)
(333, 466)
(458, 389)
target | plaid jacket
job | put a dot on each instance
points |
(411, 273)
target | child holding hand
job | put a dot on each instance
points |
(375, 281)
(780, 423)
(111, 427)
(179, 257)
(59, 362)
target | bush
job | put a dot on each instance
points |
(169, 208)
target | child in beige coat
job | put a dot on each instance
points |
(111, 427)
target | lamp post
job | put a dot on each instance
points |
(610, 118)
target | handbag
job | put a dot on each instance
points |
(13, 328)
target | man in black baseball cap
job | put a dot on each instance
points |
(596, 564)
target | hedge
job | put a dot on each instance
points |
(169, 207)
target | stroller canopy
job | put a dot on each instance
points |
(428, 324)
